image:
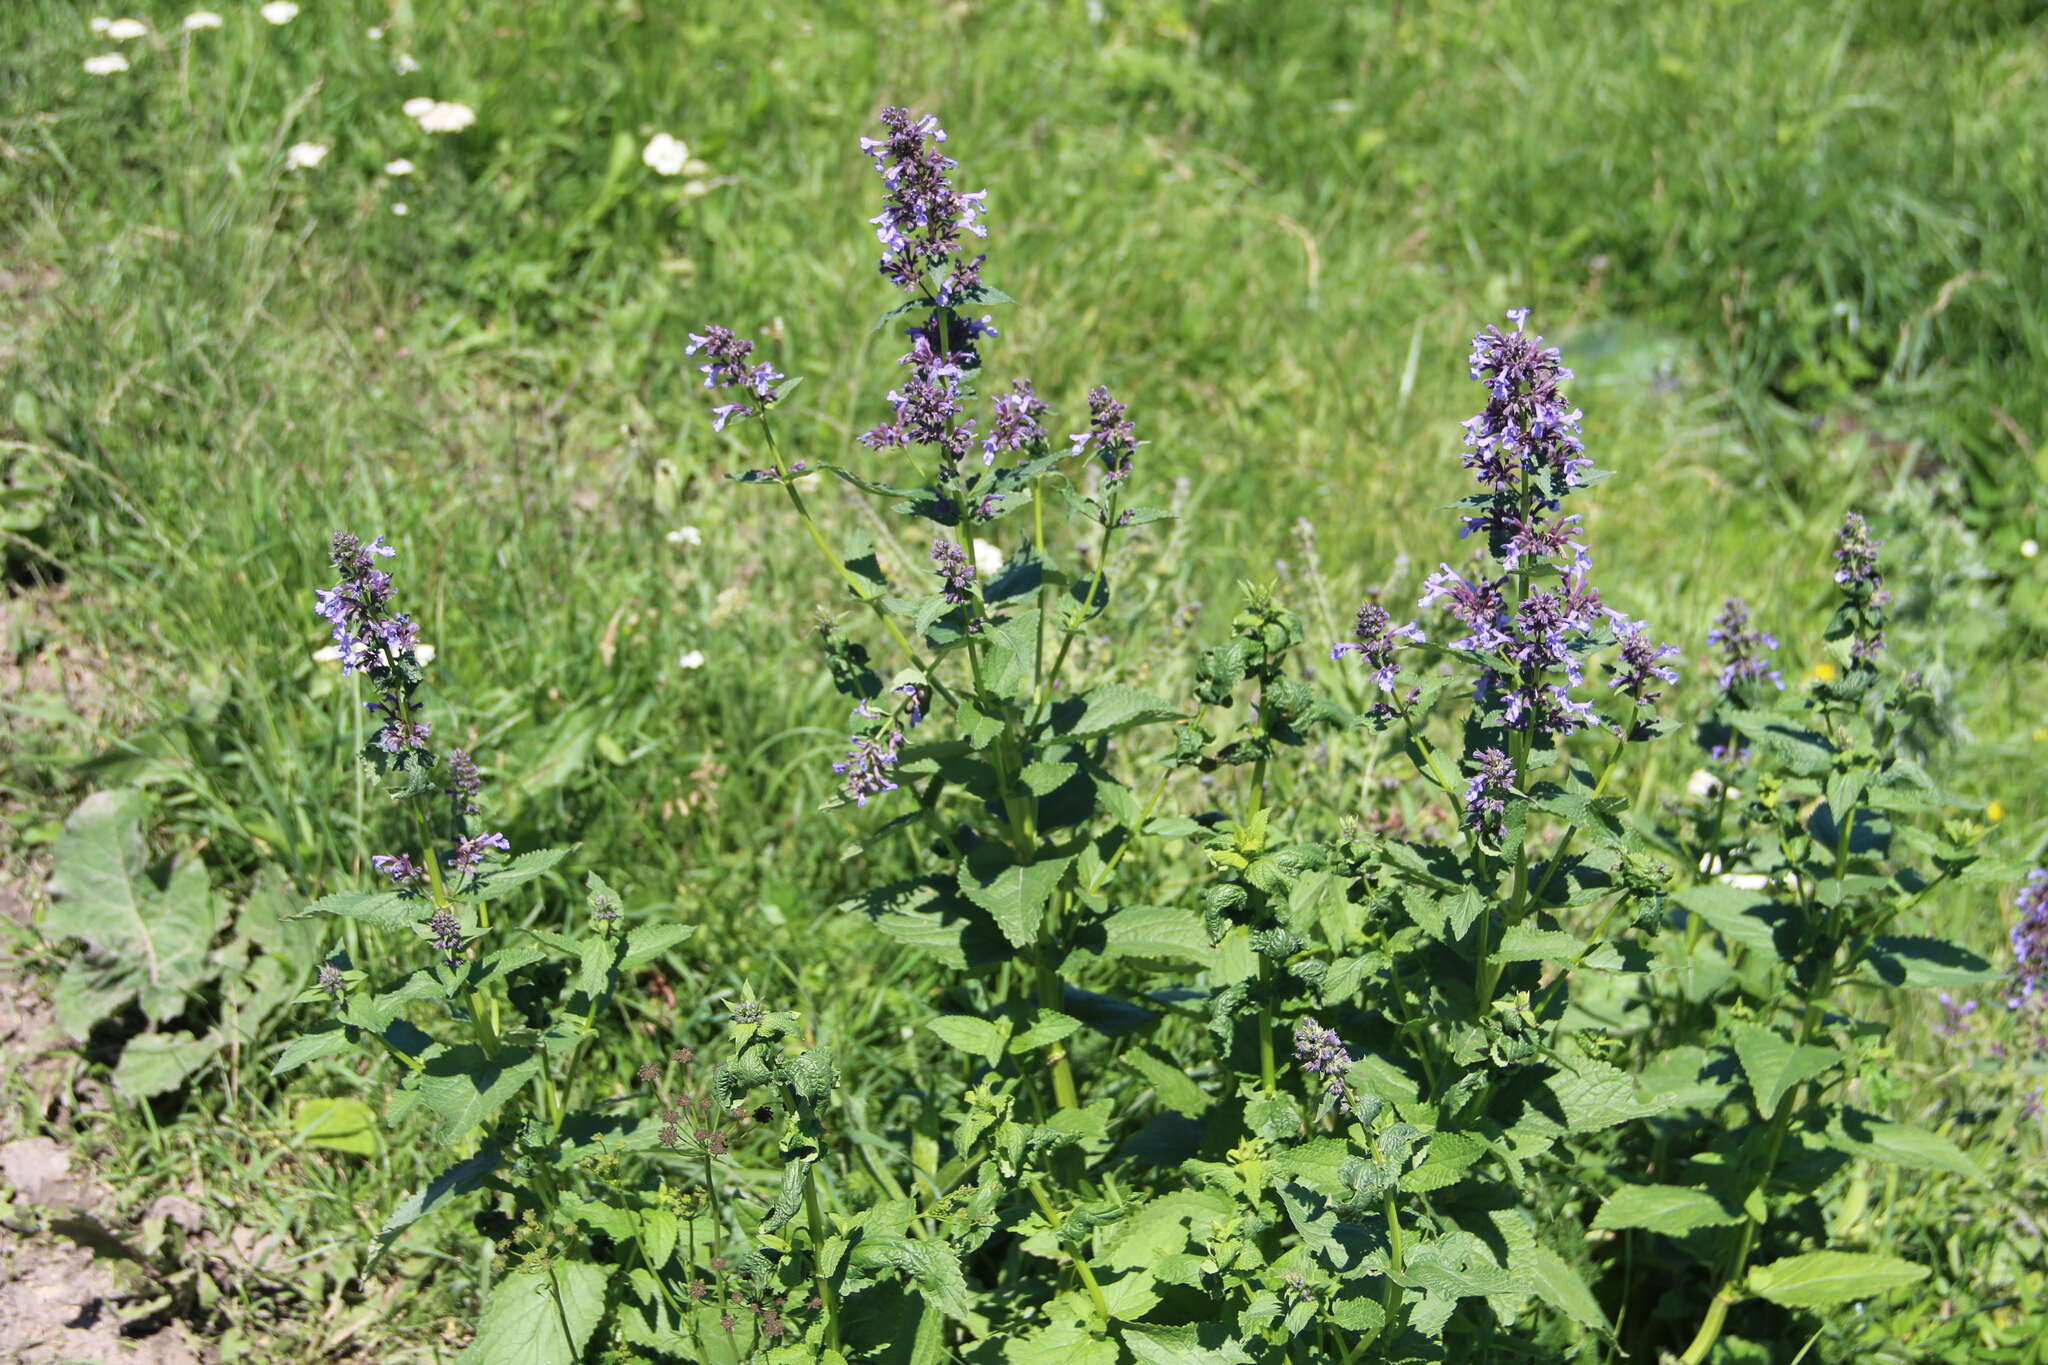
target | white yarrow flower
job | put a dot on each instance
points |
(446, 117)
(405, 63)
(99, 23)
(2029, 548)
(400, 209)
(279, 11)
(399, 167)
(304, 156)
(665, 155)
(697, 189)
(125, 30)
(988, 560)
(201, 18)
(686, 535)
(416, 106)
(374, 33)
(106, 64)
(690, 658)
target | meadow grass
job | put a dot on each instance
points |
(1792, 250)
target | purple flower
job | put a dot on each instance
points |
(1113, 438)
(364, 637)
(869, 759)
(463, 781)
(1528, 427)
(1862, 584)
(1015, 425)
(927, 404)
(400, 868)
(1642, 662)
(469, 852)
(1376, 639)
(1320, 1052)
(1486, 792)
(923, 217)
(1477, 604)
(727, 368)
(447, 932)
(956, 572)
(1745, 652)
(2029, 938)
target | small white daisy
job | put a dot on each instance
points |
(446, 117)
(400, 209)
(665, 155)
(201, 18)
(686, 535)
(126, 30)
(690, 658)
(375, 33)
(304, 156)
(2029, 548)
(399, 167)
(106, 64)
(416, 106)
(279, 11)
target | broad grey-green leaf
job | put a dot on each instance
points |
(1208, 1344)
(498, 881)
(385, 909)
(1671, 1209)
(1775, 1064)
(157, 1063)
(1014, 894)
(1820, 1278)
(466, 1088)
(1108, 710)
(97, 873)
(977, 1037)
(91, 989)
(539, 1317)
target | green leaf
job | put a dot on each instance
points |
(458, 1180)
(1749, 918)
(1175, 1089)
(1014, 894)
(521, 870)
(1670, 1209)
(1049, 1027)
(1584, 1096)
(650, 941)
(91, 989)
(343, 1125)
(157, 1063)
(1820, 1278)
(1902, 1144)
(385, 909)
(1157, 933)
(1450, 1156)
(1107, 710)
(1210, 1343)
(1545, 1273)
(660, 1230)
(466, 1088)
(976, 1037)
(539, 1317)
(1775, 1064)
(1061, 1343)
(325, 1042)
(1914, 961)
(1527, 943)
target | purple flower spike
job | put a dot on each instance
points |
(1320, 1052)
(956, 572)
(924, 219)
(1745, 652)
(2029, 938)
(1113, 439)
(400, 868)
(469, 853)
(727, 368)
(1486, 792)
(1376, 639)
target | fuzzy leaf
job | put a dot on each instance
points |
(976, 1037)
(1902, 1144)
(1913, 961)
(1209, 1344)
(339, 1125)
(1175, 1090)
(1108, 710)
(542, 1317)
(458, 1180)
(384, 909)
(1775, 1064)
(1670, 1209)
(1820, 1278)
(650, 941)
(465, 1088)
(157, 1063)
(1014, 894)
(500, 880)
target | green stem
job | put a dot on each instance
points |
(827, 1295)
(1087, 1272)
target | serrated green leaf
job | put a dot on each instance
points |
(1670, 1209)
(981, 1038)
(499, 881)
(1900, 960)
(466, 1088)
(650, 941)
(1820, 1278)
(1545, 1273)
(1014, 894)
(1527, 943)
(157, 1063)
(1047, 1028)
(385, 909)
(1749, 918)
(1901, 1144)
(660, 1231)
(1775, 1064)
(1175, 1089)
(1158, 933)
(539, 1317)
(1207, 1344)
(465, 1175)
(328, 1040)
(1107, 710)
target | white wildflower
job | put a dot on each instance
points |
(399, 167)
(686, 535)
(665, 155)
(2029, 548)
(98, 23)
(405, 63)
(106, 64)
(279, 11)
(375, 33)
(1746, 881)
(416, 106)
(444, 117)
(690, 658)
(697, 189)
(304, 156)
(126, 30)
(695, 168)
(988, 560)
(400, 209)
(201, 18)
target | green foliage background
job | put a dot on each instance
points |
(1795, 252)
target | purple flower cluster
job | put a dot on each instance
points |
(1321, 1052)
(364, 635)
(870, 756)
(2029, 940)
(447, 933)
(1112, 437)
(727, 355)
(923, 217)
(463, 782)
(1538, 615)
(1862, 584)
(928, 404)
(1745, 652)
(1375, 638)
(956, 572)
(1016, 423)
(400, 868)
(1487, 791)
(469, 852)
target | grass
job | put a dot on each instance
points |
(1795, 274)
